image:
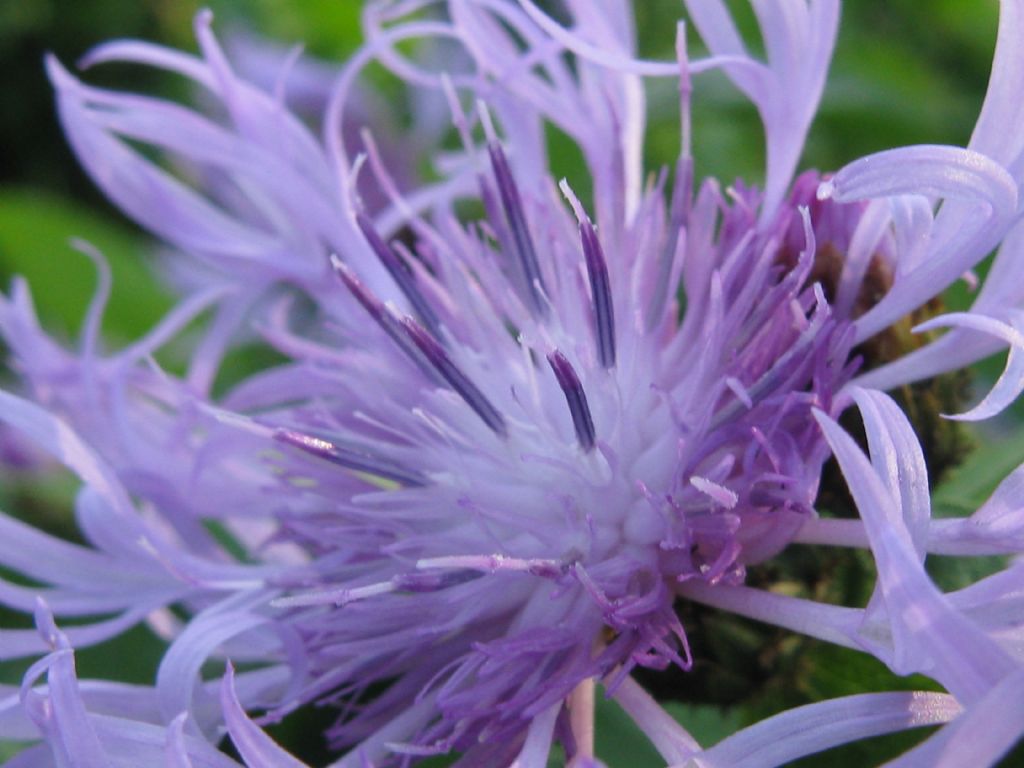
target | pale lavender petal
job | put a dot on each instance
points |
(534, 753)
(972, 535)
(176, 753)
(982, 203)
(960, 347)
(929, 634)
(177, 679)
(1010, 383)
(816, 727)
(994, 603)
(151, 195)
(62, 718)
(799, 38)
(671, 740)
(141, 52)
(979, 736)
(899, 460)
(63, 444)
(599, 54)
(256, 747)
(997, 133)
(832, 623)
(997, 527)
(938, 171)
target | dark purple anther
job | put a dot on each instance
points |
(377, 310)
(600, 289)
(513, 205)
(576, 399)
(466, 389)
(399, 272)
(357, 460)
(369, 302)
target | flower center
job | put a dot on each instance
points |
(548, 489)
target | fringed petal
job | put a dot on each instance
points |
(798, 38)
(1010, 383)
(256, 748)
(928, 633)
(981, 204)
(178, 677)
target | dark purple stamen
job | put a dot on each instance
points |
(576, 399)
(513, 205)
(508, 262)
(376, 309)
(400, 273)
(600, 289)
(466, 389)
(350, 458)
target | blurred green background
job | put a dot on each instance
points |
(904, 72)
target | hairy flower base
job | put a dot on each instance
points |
(501, 450)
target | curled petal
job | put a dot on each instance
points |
(175, 752)
(959, 238)
(63, 719)
(959, 347)
(941, 171)
(256, 748)
(998, 131)
(178, 676)
(997, 527)
(930, 635)
(1010, 383)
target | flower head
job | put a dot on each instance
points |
(503, 446)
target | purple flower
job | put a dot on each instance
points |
(503, 446)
